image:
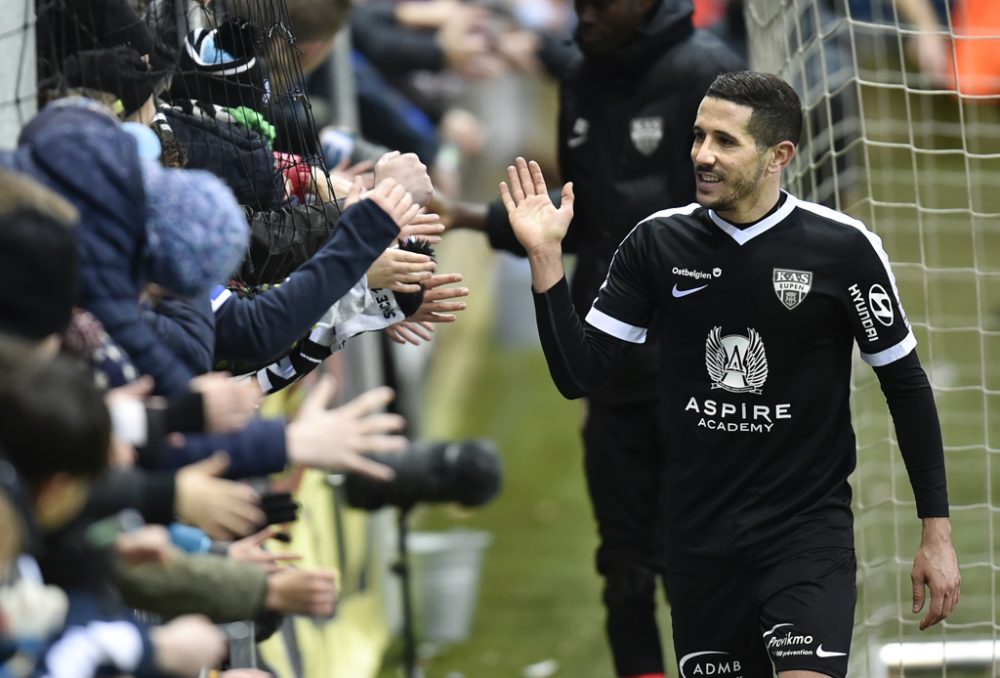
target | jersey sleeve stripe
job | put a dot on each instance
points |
(616, 328)
(891, 354)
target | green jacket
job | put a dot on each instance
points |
(224, 590)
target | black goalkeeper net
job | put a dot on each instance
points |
(220, 85)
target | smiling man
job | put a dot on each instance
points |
(756, 299)
(629, 88)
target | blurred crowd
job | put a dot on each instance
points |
(180, 242)
(182, 234)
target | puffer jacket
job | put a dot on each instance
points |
(84, 155)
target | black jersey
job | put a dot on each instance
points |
(756, 330)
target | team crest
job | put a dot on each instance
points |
(792, 286)
(735, 362)
(579, 135)
(646, 134)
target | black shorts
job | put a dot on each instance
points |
(796, 614)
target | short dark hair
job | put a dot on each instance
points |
(54, 416)
(38, 258)
(777, 109)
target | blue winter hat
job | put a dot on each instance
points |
(197, 234)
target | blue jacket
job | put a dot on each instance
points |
(187, 328)
(85, 156)
(257, 450)
(259, 329)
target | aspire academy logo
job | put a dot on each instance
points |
(735, 362)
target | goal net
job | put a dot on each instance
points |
(898, 137)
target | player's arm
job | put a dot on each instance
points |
(889, 346)
(918, 431)
(580, 359)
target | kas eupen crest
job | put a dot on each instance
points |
(646, 134)
(792, 286)
(735, 362)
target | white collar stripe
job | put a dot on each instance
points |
(744, 235)
(687, 209)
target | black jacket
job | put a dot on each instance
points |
(239, 156)
(625, 134)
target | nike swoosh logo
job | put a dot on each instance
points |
(573, 142)
(683, 293)
(820, 652)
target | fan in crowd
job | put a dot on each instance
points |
(152, 231)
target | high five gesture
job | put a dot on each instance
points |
(536, 222)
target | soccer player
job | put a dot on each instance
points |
(629, 88)
(757, 298)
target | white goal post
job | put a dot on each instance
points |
(890, 140)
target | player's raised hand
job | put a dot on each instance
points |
(535, 220)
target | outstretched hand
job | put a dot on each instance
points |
(395, 200)
(436, 308)
(536, 221)
(337, 439)
(400, 270)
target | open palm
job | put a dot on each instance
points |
(535, 220)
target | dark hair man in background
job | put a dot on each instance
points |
(629, 90)
(758, 298)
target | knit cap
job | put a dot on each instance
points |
(119, 70)
(221, 67)
(197, 234)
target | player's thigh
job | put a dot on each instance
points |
(807, 612)
(716, 625)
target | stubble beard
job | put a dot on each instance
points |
(741, 188)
